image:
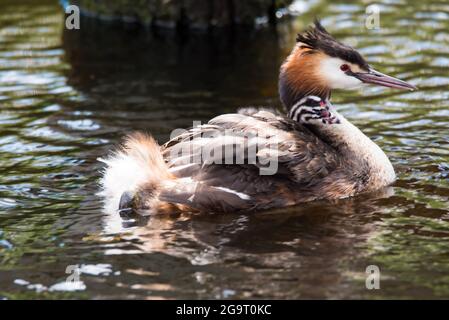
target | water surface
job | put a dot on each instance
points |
(67, 97)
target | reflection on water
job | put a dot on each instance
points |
(67, 97)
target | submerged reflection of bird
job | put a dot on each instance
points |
(319, 154)
(162, 233)
(305, 245)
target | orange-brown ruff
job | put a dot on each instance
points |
(300, 72)
(318, 153)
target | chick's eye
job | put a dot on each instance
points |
(344, 67)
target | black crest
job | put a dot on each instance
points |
(317, 38)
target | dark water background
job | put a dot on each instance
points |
(67, 97)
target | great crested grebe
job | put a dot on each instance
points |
(318, 153)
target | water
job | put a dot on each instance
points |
(66, 98)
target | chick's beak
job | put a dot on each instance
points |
(376, 77)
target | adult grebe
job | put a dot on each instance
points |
(317, 153)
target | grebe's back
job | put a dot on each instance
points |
(316, 152)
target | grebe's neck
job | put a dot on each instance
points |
(359, 150)
(290, 93)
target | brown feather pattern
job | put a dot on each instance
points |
(308, 169)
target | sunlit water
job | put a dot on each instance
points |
(67, 97)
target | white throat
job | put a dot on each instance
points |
(354, 143)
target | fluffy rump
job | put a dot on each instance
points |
(137, 162)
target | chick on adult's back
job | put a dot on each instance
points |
(259, 160)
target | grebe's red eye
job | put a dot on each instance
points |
(344, 67)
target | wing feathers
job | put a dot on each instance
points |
(302, 160)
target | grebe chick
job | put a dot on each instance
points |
(315, 152)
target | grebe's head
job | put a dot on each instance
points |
(318, 63)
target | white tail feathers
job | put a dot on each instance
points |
(137, 162)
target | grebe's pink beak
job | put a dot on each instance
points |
(376, 77)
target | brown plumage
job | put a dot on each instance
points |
(311, 153)
(308, 169)
(299, 76)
